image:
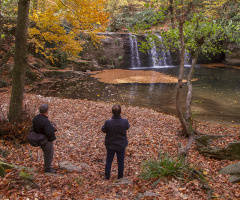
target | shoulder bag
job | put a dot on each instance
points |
(36, 139)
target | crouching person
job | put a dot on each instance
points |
(115, 140)
(42, 125)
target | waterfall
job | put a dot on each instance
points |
(159, 57)
(187, 59)
(135, 59)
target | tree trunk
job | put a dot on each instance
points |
(188, 112)
(185, 130)
(20, 62)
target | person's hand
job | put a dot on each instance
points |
(54, 126)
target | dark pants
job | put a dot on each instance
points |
(120, 160)
(48, 154)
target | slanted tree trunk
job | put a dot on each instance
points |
(188, 112)
(185, 129)
(20, 62)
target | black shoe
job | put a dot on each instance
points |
(106, 178)
(119, 177)
(51, 170)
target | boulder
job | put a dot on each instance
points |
(123, 181)
(233, 56)
(230, 152)
(147, 195)
(26, 176)
(84, 65)
(66, 165)
(233, 170)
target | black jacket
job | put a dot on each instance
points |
(42, 125)
(116, 134)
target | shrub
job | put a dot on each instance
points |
(3, 83)
(166, 166)
(30, 76)
(128, 19)
(16, 131)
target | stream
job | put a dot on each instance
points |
(216, 96)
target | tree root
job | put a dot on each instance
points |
(205, 185)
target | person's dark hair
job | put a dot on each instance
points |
(43, 108)
(116, 110)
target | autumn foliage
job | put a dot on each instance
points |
(66, 26)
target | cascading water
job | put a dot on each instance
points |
(159, 57)
(135, 59)
(187, 59)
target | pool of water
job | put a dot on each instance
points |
(216, 96)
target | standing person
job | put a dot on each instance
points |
(115, 140)
(42, 125)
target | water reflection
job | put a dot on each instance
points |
(216, 96)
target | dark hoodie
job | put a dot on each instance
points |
(116, 135)
(42, 125)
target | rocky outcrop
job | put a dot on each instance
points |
(117, 49)
(233, 56)
(114, 51)
(230, 152)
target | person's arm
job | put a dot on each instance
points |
(49, 131)
(128, 125)
(54, 126)
(104, 128)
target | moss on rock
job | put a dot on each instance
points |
(2, 171)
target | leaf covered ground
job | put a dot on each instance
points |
(79, 140)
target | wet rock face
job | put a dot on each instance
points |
(121, 50)
(114, 51)
(233, 58)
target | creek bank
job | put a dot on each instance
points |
(79, 140)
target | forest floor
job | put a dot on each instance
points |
(79, 140)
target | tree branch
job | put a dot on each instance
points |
(6, 57)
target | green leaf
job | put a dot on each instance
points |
(2, 36)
